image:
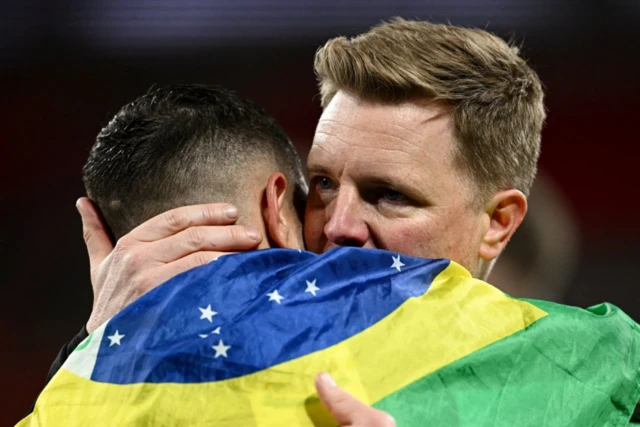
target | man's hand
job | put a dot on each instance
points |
(155, 251)
(346, 409)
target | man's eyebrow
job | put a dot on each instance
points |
(381, 181)
(316, 168)
(410, 188)
(394, 184)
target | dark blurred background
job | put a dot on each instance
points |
(67, 67)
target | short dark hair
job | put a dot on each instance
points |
(180, 145)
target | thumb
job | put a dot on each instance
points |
(95, 234)
(346, 409)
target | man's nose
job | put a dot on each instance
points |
(346, 225)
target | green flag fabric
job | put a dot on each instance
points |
(573, 367)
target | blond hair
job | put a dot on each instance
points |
(496, 98)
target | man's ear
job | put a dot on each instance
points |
(276, 213)
(506, 210)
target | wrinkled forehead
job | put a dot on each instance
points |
(399, 137)
(404, 117)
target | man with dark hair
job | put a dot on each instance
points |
(185, 145)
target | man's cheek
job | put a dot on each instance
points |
(408, 241)
(313, 230)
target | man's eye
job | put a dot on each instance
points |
(324, 183)
(394, 196)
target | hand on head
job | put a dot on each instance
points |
(170, 244)
(155, 251)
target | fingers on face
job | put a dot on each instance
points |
(95, 234)
(176, 220)
(196, 239)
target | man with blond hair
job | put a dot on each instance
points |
(427, 146)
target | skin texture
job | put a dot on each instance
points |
(384, 176)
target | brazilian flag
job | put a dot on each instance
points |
(238, 342)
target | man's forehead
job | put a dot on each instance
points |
(338, 143)
(406, 114)
(366, 134)
(412, 127)
(335, 156)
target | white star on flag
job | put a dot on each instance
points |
(115, 338)
(275, 296)
(221, 349)
(207, 313)
(215, 331)
(396, 263)
(311, 287)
